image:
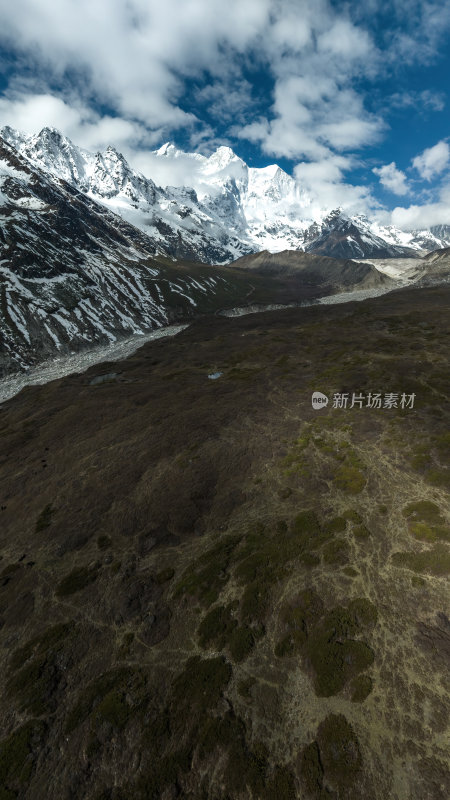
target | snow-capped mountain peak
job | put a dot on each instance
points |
(168, 149)
(73, 274)
(221, 159)
(224, 210)
(273, 183)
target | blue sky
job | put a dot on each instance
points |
(351, 98)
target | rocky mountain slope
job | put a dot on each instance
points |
(315, 270)
(72, 273)
(210, 591)
(341, 237)
(441, 256)
(230, 209)
(176, 222)
(436, 267)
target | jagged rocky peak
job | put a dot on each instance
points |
(442, 231)
(222, 157)
(272, 183)
(11, 135)
(361, 218)
(224, 168)
(168, 149)
(50, 134)
(14, 138)
(182, 194)
(73, 274)
(116, 164)
(6, 131)
(114, 154)
(50, 140)
(264, 174)
(225, 208)
(335, 214)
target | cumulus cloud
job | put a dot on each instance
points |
(433, 160)
(228, 101)
(32, 112)
(136, 72)
(325, 183)
(315, 110)
(132, 53)
(435, 210)
(312, 118)
(392, 178)
(134, 56)
(416, 30)
(417, 217)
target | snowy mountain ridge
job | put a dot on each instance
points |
(230, 210)
(73, 274)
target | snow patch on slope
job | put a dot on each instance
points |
(229, 210)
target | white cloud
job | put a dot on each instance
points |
(433, 160)
(324, 182)
(417, 217)
(131, 52)
(133, 57)
(227, 101)
(343, 39)
(315, 111)
(417, 29)
(351, 132)
(33, 112)
(392, 178)
(312, 118)
(180, 171)
(30, 113)
(426, 100)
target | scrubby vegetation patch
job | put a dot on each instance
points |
(45, 518)
(330, 765)
(425, 521)
(17, 757)
(38, 669)
(77, 579)
(435, 561)
(207, 576)
(326, 640)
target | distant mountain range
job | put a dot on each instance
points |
(91, 251)
(73, 274)
(230, 210)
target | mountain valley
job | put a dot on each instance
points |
(211, 591)
(82, 263)
(210, 587)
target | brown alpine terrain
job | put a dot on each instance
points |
(438, 261)
(210, 590)
(74, 275)
(434, 268)
(309, 269)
